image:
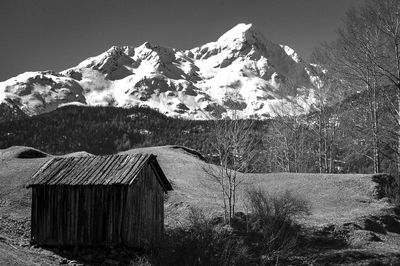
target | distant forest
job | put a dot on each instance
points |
(102, 130)
(106, 130)
(285, 143)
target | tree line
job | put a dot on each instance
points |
(365, 58)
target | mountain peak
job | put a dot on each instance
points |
(240, 33)
(145, 45)
(237, 32)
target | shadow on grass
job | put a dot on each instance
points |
(102, 255)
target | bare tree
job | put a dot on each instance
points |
(366, 57)
(235, 151)
(324, 119)
(287, 140)
(357, 42)
(384, 17)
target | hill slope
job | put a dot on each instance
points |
(341, 204)
(335, 198)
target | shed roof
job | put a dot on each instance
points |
(97, 170)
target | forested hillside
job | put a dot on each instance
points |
(340, 142)
(108, 130)
(102, 130)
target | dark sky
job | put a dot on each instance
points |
(58, 34)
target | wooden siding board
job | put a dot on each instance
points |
(63, 167)
(99, 173)
(67, 173)
(107, 213)
(127, 171)
(88, 171)
(130, 177)
(125, 165)
(43, 169)
(103, 165)
(63, 170)
(54, 170)
(79, 167)
(95, 170)
(158, 170)
(119, 172)
(136, 170)
(157, 175)
(127, 174)
(34, 215)
(50, 171)
(123, 173)
(110, 171)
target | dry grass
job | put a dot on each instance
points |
(21, 152)
(335, 198)
(14, 174)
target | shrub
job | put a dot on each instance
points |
(140, 261)
(271, 224)
(202, 242)
(388, 186)
(253, 239)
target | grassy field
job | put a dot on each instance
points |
(335, 199)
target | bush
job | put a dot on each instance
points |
(388, 186)
(271, 224)
(254, 239)
(203, 242)
(140, 261)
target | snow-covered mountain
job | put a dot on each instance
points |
(241, 73)
(10, 111)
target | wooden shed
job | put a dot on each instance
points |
(99, 200)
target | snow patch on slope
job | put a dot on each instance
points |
(292, 53)
(240, 73)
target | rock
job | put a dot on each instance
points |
(351, 226)
(74, 262)
(391, 224)
(396, 211)
(111, 262)
(374, 226)
(326, 230)
(360, 237)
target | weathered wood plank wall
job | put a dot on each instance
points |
(82, 215)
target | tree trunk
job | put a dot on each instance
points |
(320, 144)
(375, 136)
(331, 161)
(326, 150)
(398, 136)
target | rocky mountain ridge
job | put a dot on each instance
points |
(241, 74)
